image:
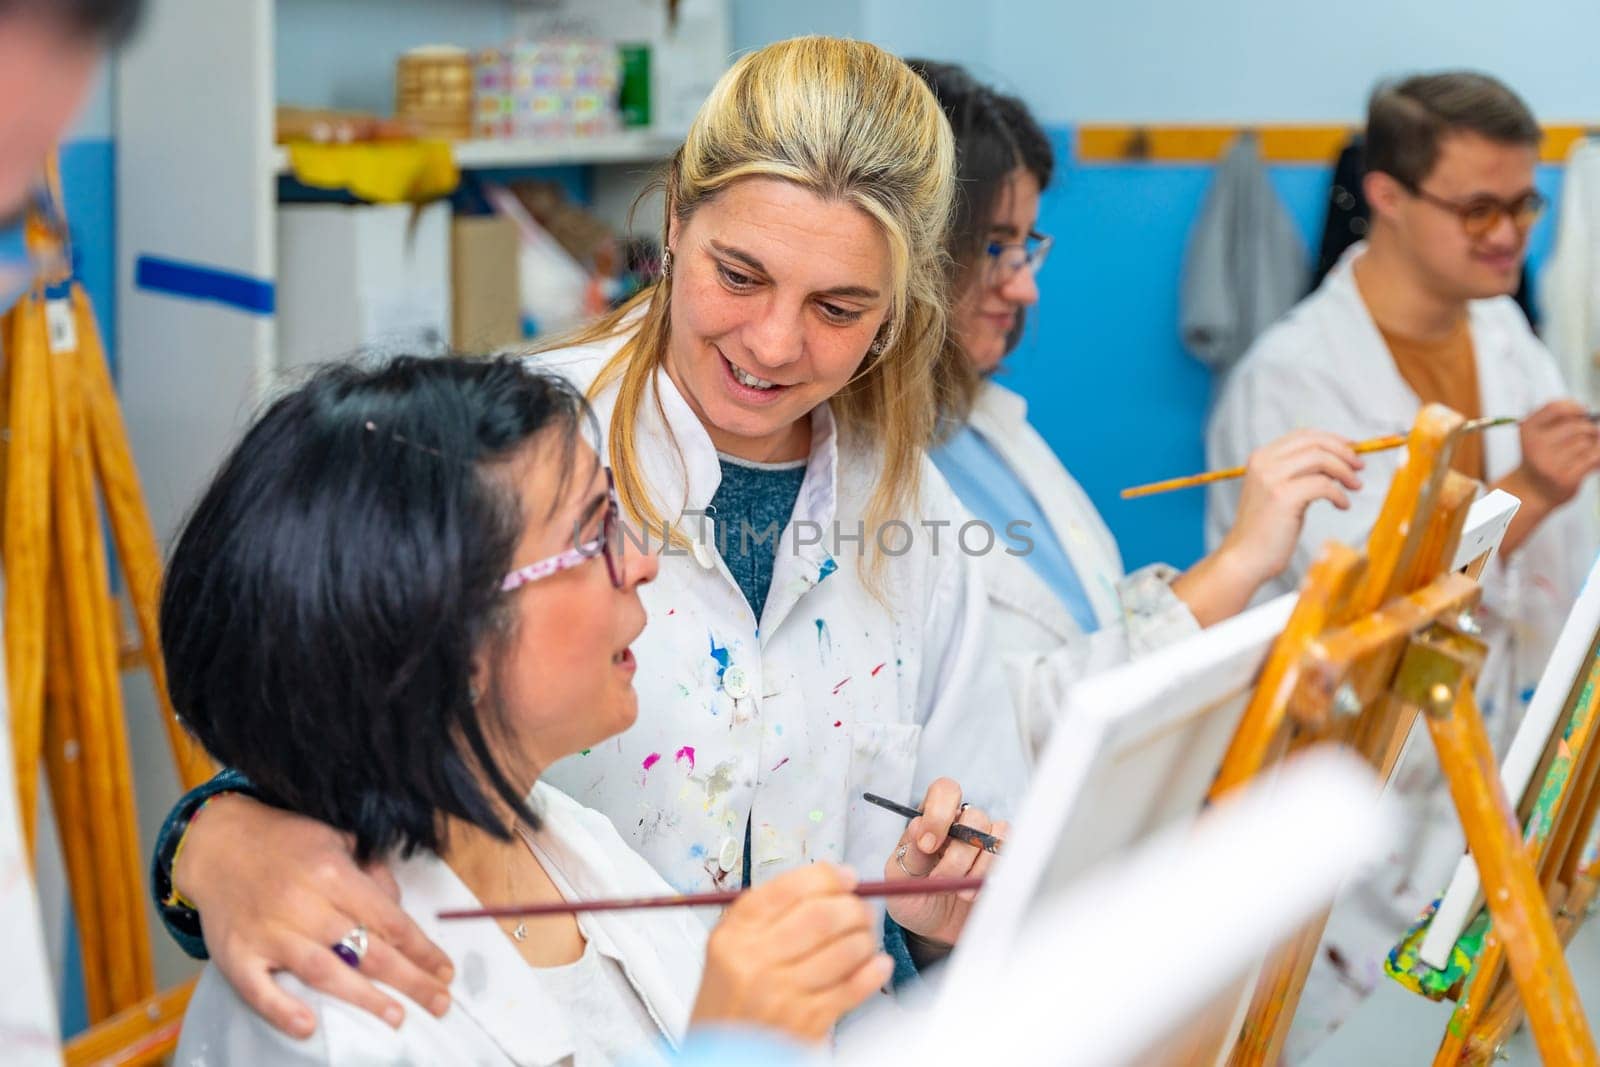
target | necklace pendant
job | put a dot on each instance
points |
(520, 931)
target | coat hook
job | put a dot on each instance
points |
(1138, 145)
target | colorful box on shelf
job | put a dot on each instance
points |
(548, 89)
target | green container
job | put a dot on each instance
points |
(634, 99)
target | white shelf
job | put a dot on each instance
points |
(632, 146)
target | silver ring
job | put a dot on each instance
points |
(900, 858)
(352, 947)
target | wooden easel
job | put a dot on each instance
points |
(1375, 639)
(65, 444)
(1489, 1007)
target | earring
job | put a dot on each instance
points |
(666, 262)
(879, 345)
(473, 695)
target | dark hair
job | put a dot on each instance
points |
(1406, 120)
(110, 21)
(324, 601)
(995, 134)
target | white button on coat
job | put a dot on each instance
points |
(728, 858)
(736, 683)
(704, 555)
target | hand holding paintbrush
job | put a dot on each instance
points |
(1375, 444)
(1560, 447)
(944, 838)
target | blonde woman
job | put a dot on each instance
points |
(824, 634)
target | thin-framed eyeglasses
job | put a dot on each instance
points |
(1004, 260)
(608, 544)
(1482, 214)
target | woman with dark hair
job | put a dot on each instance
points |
(1065, 607)
(766, 407)
(402, 598)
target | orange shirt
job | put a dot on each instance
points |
(1445, 372)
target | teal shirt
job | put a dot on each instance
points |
(751, 508)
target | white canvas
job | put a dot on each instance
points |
(1117, 965)
(1135, 751)
(1485, 527)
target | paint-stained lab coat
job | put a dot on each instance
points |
(785, 721)
(1325, 366)
(500, 1012)
(1042, 648)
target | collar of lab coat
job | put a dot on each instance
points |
(1001, 417)
(680, 465)
(495, 986)
(1366, 358)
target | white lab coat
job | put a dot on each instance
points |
(1325, 366)
(784, 721)
(1569, 285)
(499, 1012)
(1042, 648)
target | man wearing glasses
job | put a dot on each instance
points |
(1420, 313)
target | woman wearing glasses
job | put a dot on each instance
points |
(815, 641)
(404, 596)
(1062, 607)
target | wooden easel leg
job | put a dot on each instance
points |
(69, 789)
(131, 529)
(1276, 998)
(1327, 586)
(1277, 995)
(26, 550)
(104, 745)
(1517, 906)
(1263, 736)
(144, 1033)
(1505, 1013)
(1571, 892)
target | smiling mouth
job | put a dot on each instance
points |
(750, 381)
(623, 658)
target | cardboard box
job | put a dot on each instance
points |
(486, 298)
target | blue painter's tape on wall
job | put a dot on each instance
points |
(205, 283)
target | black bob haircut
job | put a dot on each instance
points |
(109, 21)
(994, 134)
(324, 602)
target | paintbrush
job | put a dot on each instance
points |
(975, 838)
(1375, 444)
(903, 887)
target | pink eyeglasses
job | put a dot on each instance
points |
(608, 544)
